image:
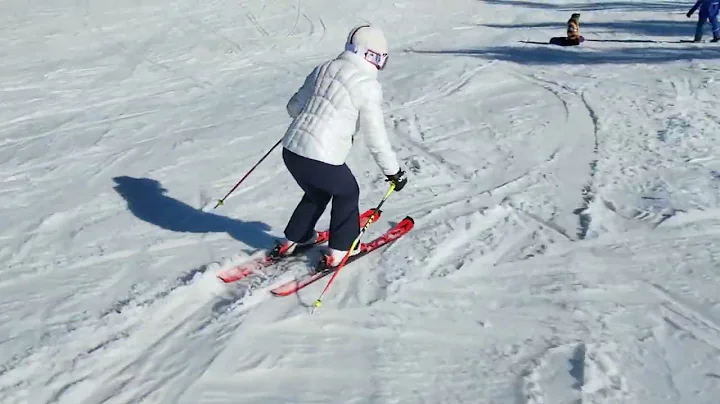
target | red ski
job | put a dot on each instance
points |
(390, 236)
(271, 257)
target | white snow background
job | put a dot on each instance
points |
(565, 199)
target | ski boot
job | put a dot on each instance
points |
(332, 258)
(284, 248)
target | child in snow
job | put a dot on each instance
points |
(708, 11)
(573, 37)
(338, 99)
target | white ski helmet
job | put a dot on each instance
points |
(368, 42)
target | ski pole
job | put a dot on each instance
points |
(318, 302)
(221, 201)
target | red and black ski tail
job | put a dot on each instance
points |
(390, 236)
(272, 256)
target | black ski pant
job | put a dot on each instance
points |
(321, 183)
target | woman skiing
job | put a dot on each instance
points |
(338, 99)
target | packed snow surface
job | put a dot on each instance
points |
(566, 203)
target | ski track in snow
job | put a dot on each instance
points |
(565, 201)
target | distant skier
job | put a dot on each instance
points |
(708, 11)
(338, 99)
(573, 29)
(573, 37)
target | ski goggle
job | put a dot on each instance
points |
(379, 60)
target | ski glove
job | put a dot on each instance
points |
(398, 179)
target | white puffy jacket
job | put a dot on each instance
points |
(339, 98)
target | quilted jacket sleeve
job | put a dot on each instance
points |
(297, 102)
(371, 123)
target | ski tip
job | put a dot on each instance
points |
(410, 219)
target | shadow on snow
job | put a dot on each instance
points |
(661, 28)
(556, 55)
(148, 201)
(551, 55)
(597, 6)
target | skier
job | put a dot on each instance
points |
(573, 29)
(338, 99)
(708, 11)
(573, 37)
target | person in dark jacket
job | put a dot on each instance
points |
(708, 11)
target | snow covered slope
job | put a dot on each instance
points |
(566, 200)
